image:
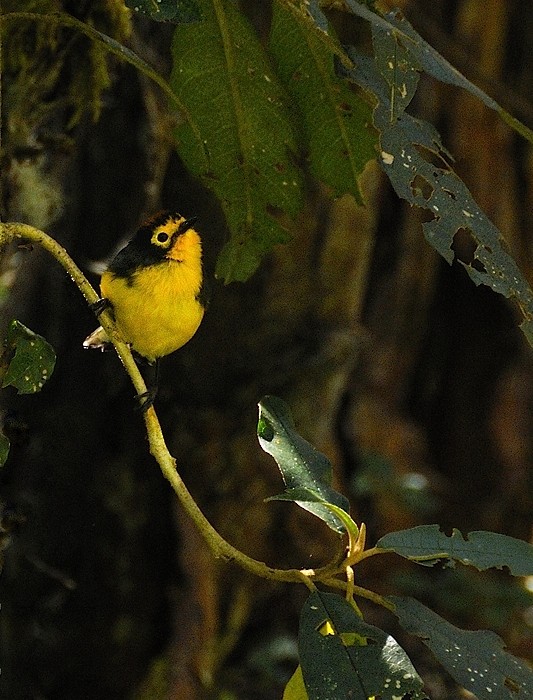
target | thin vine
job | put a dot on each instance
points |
(220, 547)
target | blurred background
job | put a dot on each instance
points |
(416, 384)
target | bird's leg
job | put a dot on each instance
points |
(100, 306)
(147, 398)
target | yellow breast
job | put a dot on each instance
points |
(156, 308)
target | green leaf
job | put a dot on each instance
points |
(179, 11)
(4, 449)
(336, 127)
(427, 544)
(306, 472)
(238, 139)
(476, 660)
(398, 67)
(33, 361)
(430, 60)
(343, 657)
(409, 148)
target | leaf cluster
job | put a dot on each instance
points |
(342, 656)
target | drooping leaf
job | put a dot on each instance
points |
(33, 361)
(239, 138)
(306, 472)
(427, 545)
(431, 61)
(336, 123)
(397, 66)
(343, 657)
(179, 11)
(408, 147)
(476, 660)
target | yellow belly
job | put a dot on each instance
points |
(157, 312)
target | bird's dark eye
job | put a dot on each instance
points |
(162, 237)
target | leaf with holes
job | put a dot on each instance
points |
(476, 660)
(427, 545)
(409, 148)
(343, 657)
(422, 53)
(32, 359)
(238, 137)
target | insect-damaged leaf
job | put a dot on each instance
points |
(343, 657)
(409, 148)
(33, 361)
(427, 544)
(306, 471)
(476, 660)
(167, 10)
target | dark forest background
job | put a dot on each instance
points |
(415, 383)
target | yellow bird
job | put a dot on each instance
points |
(155, 287)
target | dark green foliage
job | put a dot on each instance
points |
(343, 657)
(167, 10)
(476, 660)
(32, 359)
(306, 471)
(427, 545)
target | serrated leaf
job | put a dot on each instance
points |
(33, 361)
(179, 11)
(335, 122)
(476, 660)
(343, 657)
(306, 472)
(238, 139)
(408, 148)
(427, 544)
(4, 449)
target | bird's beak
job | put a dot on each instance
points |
(186, 225)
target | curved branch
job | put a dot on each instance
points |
(218, 545)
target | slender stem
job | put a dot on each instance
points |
(219, 546)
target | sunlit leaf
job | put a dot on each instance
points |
(295, 688)
(33, 361)
(476, 660)
(306, 472)
(343, 657)
(427, 544)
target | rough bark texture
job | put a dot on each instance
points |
(394, 364)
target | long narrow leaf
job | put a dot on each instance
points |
(240, 111)
(336, 122)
